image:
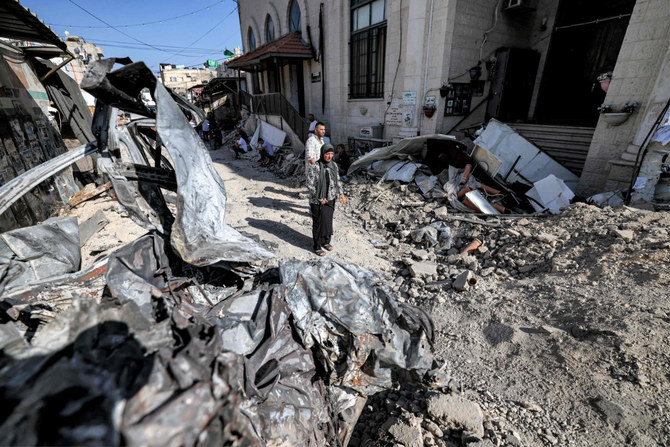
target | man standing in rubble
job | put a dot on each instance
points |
(313, 146)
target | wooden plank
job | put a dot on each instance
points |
(87, 193)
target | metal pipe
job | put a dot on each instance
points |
(57, 67)
(472, 246)
(425, 71)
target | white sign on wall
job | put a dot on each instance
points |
(394, 114)
(409, 98)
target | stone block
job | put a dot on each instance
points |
(421, 269)
(626, 235)
(464, 281)
(620, 170)
(456, 412)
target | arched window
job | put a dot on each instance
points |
(269, 29)
(294, 17)
(251, 39)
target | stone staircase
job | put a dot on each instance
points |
(621, 170)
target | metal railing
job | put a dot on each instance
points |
(277, 104)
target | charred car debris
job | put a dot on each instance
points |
(184, 336)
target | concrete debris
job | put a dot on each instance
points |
(551, 194)
(464, 281)
(456, 412)
(421, 269)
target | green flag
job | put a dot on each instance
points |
(212, 63)
(228, 53)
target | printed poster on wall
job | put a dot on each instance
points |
(394, 114)
(409, 98)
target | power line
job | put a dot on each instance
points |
(179, 53)
(116, 29)
(207, 32)
(120, 44)
(140, 24)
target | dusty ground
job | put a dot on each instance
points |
(564, 340)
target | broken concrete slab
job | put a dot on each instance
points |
(421, 269)
(91, 226)
(456, 412)
(626, 235)
(408, 433)
(464, 281)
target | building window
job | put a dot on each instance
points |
(294, 17)
(367, 49)
(251, 39)
(269, 29)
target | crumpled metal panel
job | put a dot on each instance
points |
(148, 366)
(334, 303)
(14, 189)
(199, 234)
(138, 272)
(31, 253)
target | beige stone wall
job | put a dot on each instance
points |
(182, 79)
(509, 29)
(634, 78)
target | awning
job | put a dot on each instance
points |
(221, 85)
(290, 46)
(17, 22)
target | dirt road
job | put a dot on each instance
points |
(261, 204)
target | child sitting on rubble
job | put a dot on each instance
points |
(267, 151)
(240, 145)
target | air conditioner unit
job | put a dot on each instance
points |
(371, 132)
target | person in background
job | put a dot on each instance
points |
(313, 145)
(204, 134)
(342, 159)
(267, 151)
(323, 183)
(312, 124)
(240, 145)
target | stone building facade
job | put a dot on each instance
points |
(435, 66)
(84, 53)
(181, 79)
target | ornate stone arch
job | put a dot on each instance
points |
(279, 29)
(304, 16)
(257, 34)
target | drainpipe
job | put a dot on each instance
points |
(425, 72)
(58, 67)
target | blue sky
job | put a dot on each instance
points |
(153, 33)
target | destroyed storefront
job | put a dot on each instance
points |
(37, 102)
(186, 336)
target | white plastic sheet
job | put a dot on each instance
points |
(533, 166)
(551, 193)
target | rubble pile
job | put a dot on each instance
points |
(186, 336)
(159, 360)
(568, 277)
(431, 245)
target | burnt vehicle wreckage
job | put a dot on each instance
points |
(184, 336)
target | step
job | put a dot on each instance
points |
(621, 170)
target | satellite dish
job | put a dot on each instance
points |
(67, 33)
